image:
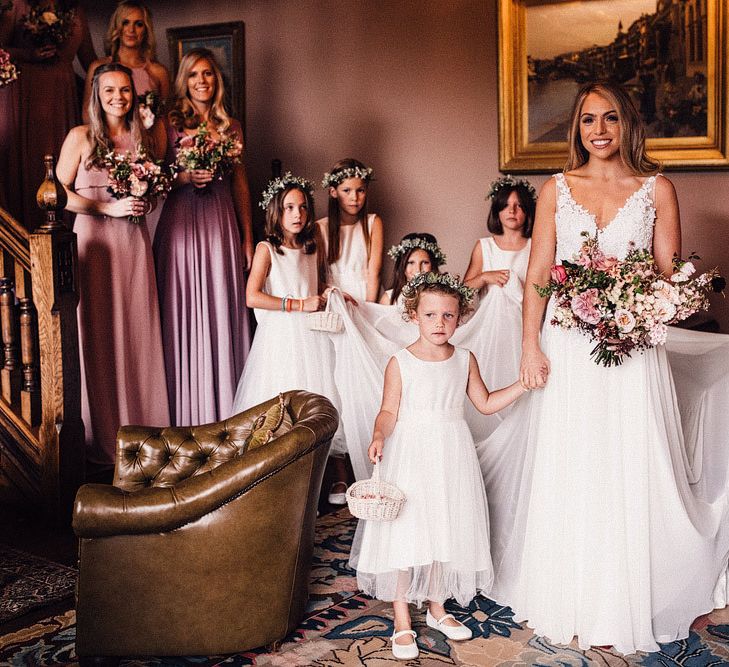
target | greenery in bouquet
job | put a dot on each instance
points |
(202, 151)
(137, 176)
(46, 25)
(8, 70)
(624, 305)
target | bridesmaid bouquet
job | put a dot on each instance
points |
(202, 151)
(8, 71)
(47, 26)
(136, 177)
(624, 305)
(149, 107)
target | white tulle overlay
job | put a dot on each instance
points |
(285, 354)
(596, 531)
(374, 332)
(438, 546)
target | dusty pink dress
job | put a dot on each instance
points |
(122, 366)
(38, 111)
(198, 254)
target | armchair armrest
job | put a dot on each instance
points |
(102, 510)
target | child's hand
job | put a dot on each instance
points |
(375, 450)
(499, 277)
(312, 303)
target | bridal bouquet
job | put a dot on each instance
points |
(8, 71)
(202, 151)
(47, 26)
(624, 305)
(136, 176)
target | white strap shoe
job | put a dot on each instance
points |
(456, 632)
(404, 651)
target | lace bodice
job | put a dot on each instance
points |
(632, 223)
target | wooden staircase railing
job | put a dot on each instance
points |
(41, 432)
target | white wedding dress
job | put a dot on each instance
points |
(596, 530)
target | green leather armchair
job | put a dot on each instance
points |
(200, 547)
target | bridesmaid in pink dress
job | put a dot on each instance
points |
(122, 367)
(202, 247)
(39, 109)
(130, 41)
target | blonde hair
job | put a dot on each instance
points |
(101, 143)
(184, 114)
(632, 129)
(112, 41)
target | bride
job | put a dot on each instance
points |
(596, 530)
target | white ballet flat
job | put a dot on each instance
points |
(456, 632)
(337, 498)
(404, 651)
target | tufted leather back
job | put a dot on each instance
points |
(149, 457)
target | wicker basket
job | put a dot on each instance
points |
(374, 499)
(325, 320)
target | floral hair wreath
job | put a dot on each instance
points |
(335, 178)
(410, 244)
(465, 294)
(280, 183)
(509, 181)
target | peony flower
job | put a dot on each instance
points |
(49, 18)
(664, 310)
(137, 188)
(558, 273)
(584, 306)
(624, 320)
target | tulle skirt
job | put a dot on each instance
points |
(596, 531)
(438, 546)
(287, 355)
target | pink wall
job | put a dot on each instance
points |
(409, 88)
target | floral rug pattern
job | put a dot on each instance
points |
(344, 628)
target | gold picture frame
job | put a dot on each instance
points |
(227, 43)
(683, 98)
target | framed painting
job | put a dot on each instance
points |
(227, 43)
(671, 55)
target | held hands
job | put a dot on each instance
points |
(200, 177)
(127, 207)
(499, 277)
(534, 369)
(374, 452)
(42, 53)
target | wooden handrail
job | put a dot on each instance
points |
(41, 432)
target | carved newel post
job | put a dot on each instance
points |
(54, 268)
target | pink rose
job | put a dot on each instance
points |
(186, 141)
(558, 274)
(624, 320)
(604, 262)
(584, 306)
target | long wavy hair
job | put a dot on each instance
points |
(183, 115)
(274, 215)
(398, 279)
(632, 129)
(112, 41)
(333, 214)
(101, 143)
(499, 202)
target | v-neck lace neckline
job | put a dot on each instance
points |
(592, 216)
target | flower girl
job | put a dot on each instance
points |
(283, 285)
(498, 270)
(438, 546)
(417, 252)
(352, 237)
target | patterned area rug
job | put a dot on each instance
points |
(28, 582)
(345, 629)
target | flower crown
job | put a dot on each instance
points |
(465, 294)
(336, 177)
(418, 242)
(509, 181)
(280, 183)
